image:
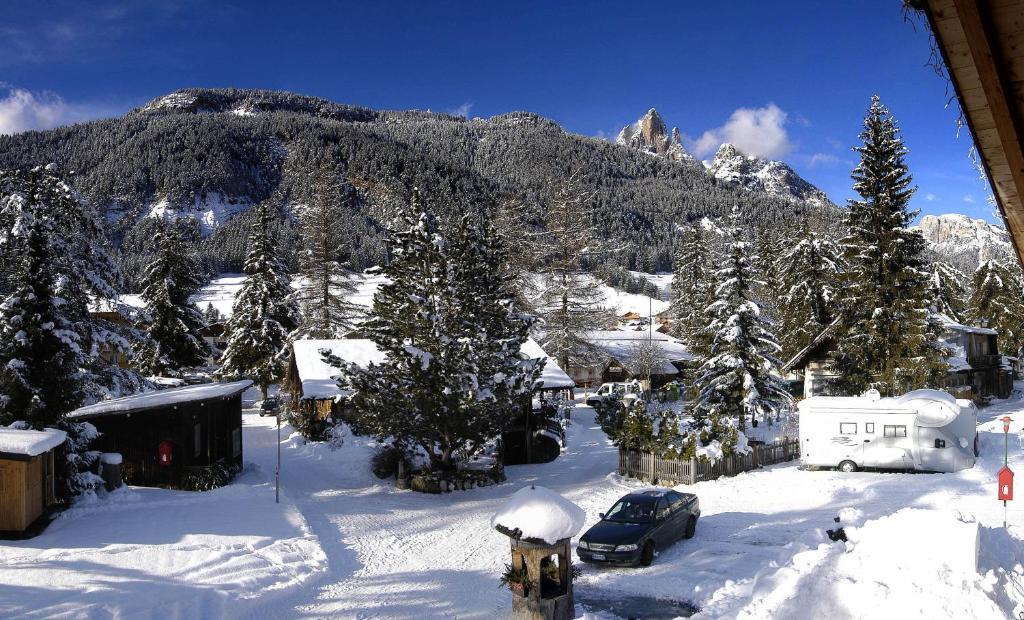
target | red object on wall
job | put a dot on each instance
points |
(166, 452)
(1005, 484)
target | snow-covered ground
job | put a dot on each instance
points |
(220, 292)
(345, 544)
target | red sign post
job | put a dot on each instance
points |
(1005, 474)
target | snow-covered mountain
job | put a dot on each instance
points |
(733, 167)
(650, 135)
(966, 241)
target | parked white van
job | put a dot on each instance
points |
(926, 430)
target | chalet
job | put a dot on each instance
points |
(313, 383)
(27, 487)
(619, 356)
(188, 437)
(976, 370)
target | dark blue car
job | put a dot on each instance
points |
(640, 525)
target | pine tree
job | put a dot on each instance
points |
(211, 315)
(326, 283)
(997, 302)
(947, 292)
(770, 247)
(693, 286)
(172, 331)
(41, 377)
(444, 319)
(809, 275)
(736, 382)
(568, 302)
(262, 315)
(886, 341)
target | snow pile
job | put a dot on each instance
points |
(539, 514)
(29, 442)
(913, 563)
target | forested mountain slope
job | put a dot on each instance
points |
(211, 154)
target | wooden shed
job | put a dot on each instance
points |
(27, 486)
(312, 383)
(188, 437)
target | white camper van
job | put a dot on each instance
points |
(926, 430)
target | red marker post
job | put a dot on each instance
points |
(1005, 474)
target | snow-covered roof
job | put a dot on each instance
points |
(552, 376)
(933, 408)
(951, 325)
(161, 398)
(28, 442)
(622, 346)
(320, 379)
(538, 514)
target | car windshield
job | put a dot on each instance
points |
(631, 511)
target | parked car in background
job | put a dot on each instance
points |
(640, 525)
(627, 392)
(270, 406)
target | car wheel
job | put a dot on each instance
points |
(691, 527)
(847, 466)
(647, 555)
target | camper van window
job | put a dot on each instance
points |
(847, 428)
(940, 443)
(895, 431)
(869, 427)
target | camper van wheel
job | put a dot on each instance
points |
(847, 466)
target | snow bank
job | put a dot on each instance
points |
(540, 514)
(29, 442)
(913, 563)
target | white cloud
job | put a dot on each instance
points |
(930, 197)
(462, 110)
(23, 110)
(755, 131)
(969, 198)
(822, 158)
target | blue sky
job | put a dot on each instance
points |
(787, 80)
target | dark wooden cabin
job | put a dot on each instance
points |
(188, 437)
(27, 488)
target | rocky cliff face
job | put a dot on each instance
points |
(650, 135)
(735, 168)
(965, 241)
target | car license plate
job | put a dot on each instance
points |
(599, 556)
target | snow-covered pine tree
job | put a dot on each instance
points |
(886, 341)
(809, 273)
(770, 246)
(172, 322)
(326, 283)
(42, 373)
(997, 302)
(211, 315)
(693, 288)
(947, 290)
(568, 302)
(452, 373)
(736, 381)
(262, 315)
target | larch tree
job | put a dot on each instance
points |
(693, 289)
(262, 315)
(452, 374)
(326, 284)
(886, 340)
(172, 324)
(809, 275)
(736, 382)
(568, 302)
(997, 302)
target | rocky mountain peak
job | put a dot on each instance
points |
(732, 166)
(650, 135)
(964, 241)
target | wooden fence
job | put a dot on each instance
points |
(648, 466)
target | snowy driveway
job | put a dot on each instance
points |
(344, 544)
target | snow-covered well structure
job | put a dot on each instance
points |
(540, 524)
(26, 476)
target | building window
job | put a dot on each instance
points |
(236, 442)
(895, 430)
(197, 439)
(869, 427)
(940, 443)
(847, 428)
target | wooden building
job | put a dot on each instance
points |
(27, 478)
(188, 437)
(312, 383)
(982, 45)
(617, 353)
